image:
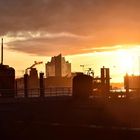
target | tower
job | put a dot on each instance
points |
(7, 78)
(105, 81)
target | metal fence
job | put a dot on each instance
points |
(52, 91)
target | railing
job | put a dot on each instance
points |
(59, 91)
(52, 91)
(7, 93)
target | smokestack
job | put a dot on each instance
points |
(2, 51)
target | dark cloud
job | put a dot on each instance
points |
(105, 22)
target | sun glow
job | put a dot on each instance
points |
(126, 61)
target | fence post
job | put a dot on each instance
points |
(41, 85)
(26, 85)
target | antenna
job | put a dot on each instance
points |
(2, 51)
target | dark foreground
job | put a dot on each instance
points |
(65, 119)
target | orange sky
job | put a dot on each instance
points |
(119, 61)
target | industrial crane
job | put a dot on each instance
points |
(35, 63)
(89, 70)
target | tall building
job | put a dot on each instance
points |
(58, 67)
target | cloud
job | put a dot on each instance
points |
(45, 27)
(48, 43)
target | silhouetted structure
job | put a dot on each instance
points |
(132, 85)
(126, 83)
(32, 66)
(31, 82)
(7, 78)
(54, 81)
(26, 85)
(37, 84)
(82, 86)
(105, 81)
(42, 90)
(101, 85)
(58, 67)
(33, 79)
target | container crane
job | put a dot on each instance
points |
(35, 63)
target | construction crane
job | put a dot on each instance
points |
(35, 63)
(85, 66)
(89, 71)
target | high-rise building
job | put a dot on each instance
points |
(58, 67)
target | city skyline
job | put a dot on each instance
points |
(69, 69)
(90, 60)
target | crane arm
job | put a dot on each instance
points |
(35, 63)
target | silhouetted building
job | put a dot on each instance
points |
(58, 67)
(41, 85)
(132, 85)
(20, 83)
(132, 82)
(7, 80)
(101, 85)
(33, 79)
(58, 82)
(29, 84)
(105, 81)
(82, 86)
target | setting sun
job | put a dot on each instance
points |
(126, 61)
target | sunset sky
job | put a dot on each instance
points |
(93, 33)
